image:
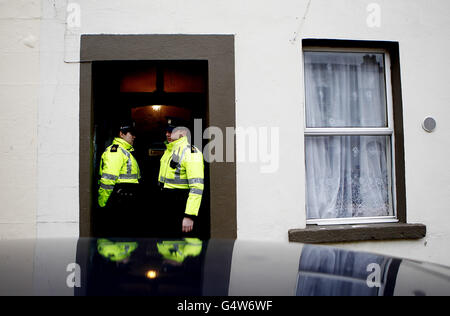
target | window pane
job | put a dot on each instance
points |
(348, 176)
(345, 90)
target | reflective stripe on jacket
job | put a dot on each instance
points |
(182, 168)
(117, 166)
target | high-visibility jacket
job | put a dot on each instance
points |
(182, 168)
(117, 166)
(179, 250)
(115, 251)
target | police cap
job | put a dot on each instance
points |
(174, 122)
(127, 126)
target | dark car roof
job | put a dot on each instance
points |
(189, 266)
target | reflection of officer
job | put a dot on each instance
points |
(116, 251)
(178, 250)
(181, 178)
(119, 178)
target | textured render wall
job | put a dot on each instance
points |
(269, 93)
(19, 95)
(58, 206)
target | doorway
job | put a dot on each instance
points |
(113, 69)
(149, 92)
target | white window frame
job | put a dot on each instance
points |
(382, 131)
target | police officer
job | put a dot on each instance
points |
(181, 178)
(119, 179)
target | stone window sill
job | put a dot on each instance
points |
(314, 234)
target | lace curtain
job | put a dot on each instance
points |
(347, 175)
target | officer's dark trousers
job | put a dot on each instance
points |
(120, 216)
(170, 219)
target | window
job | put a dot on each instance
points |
(349, 136)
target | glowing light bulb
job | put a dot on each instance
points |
(151, 274)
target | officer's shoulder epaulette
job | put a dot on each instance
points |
(114, 148)
(194, 149)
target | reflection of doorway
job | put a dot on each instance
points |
(218, 51)
(148, 92)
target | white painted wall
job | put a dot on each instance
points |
(268, 91)
(19, 96)
(58, 206)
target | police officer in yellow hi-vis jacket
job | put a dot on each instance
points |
(181, 178)
(118, 185)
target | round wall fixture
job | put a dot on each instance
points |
(429, 124)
